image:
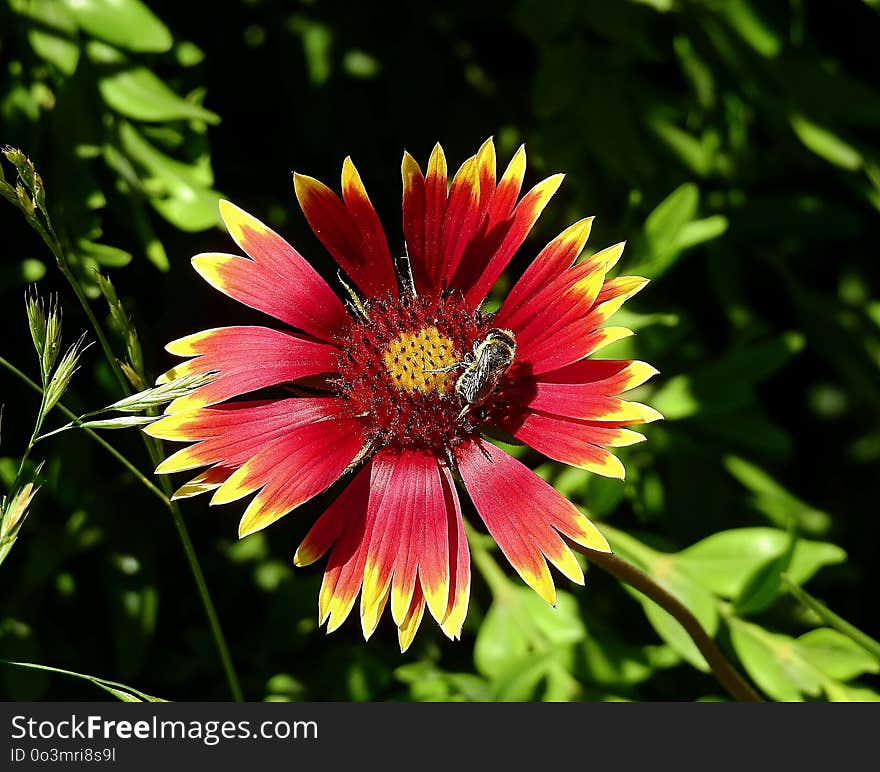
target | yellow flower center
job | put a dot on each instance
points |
(411, 357)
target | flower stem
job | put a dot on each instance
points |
(155, 452)
(726, 674)
(179, 524)
(118, 690)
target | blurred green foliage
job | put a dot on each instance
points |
(734, 144)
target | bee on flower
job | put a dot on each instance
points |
(410, 373)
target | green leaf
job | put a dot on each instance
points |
(826, 144)
(765, 585)
(104, 254)
(178, 191)
(519, 623)
(138, 93)
(672, 214)
(725, 562)
(775, 663)
(128, 24)
(752, 28)
(54, 36)
(770, 498)
(700, 231)
(838, 692)
(836, 654)
(522, 681)
(428, 683)
(670, 229)
(692, 152)
(612, 663)
(671, 631)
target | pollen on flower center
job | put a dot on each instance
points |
(413, 359)
(387, 357)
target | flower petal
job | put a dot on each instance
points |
(408, 628)
(584, 391)
(276, 280)
(462, 218)
(557, 257)
(521, 512)
(406, 487)
(558, 324)
(344, 574)
(294, 467)
(435, 214)
(565, 346)
(459, 562)
(338, 517)
(349, 229)
(209, 480)
(576, 443)
(434, 570)
(232, 433)
(414, 219)
(245, 359)
(502, 231)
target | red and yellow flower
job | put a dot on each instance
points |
(370, 388)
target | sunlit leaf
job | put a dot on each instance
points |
(826, 144)
(835, 654)
(765, 584)
(763, 658)
(519, 624)
(128, 24)
(725, 562)
(138, 93)
(54, 36)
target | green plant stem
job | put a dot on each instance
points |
(154, 450)
(726, 673)
(831, 619)
(103, 683)
(182, 533)
(38, 424)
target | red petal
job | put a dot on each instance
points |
(345, 567)
(459, 562)
(558, 256)
(276, 280)
(584, 391)
(577, 443)
(461, 220)
(503, 230)
(245, 359)
(435, 215)
(414, 219)
(234, 432)
(523, 513)
(340, 516)
(349, 230)
(293, 468)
